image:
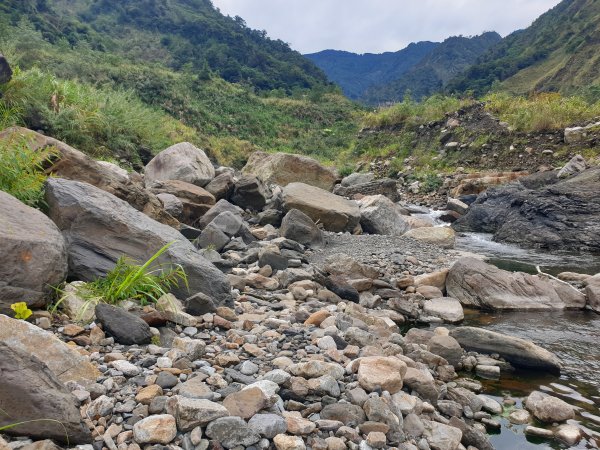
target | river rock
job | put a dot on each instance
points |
(476, 283)
(517, 351)
(286, 168)
(30, 391)
(334, 212)
(556, 213)
(249, 193)
(99, 228)
(379, 215)
(448, 309)
(298, 227)
(383, 373)
(62, 360)
(232, 432)
(192, 412)
(548, 408)
(440, 436)
(125, 327)
(221, 186)
(443, 237)
(268, 425)
(592, 292)
(286, 442)
(183, 162)
(447, 347)
(157, 429)
(33, 255)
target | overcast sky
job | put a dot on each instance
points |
(377, 26)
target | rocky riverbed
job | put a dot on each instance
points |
(294, 331)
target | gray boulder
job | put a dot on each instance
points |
(556, 214)
(517, 351)
(29, 391)
(125, 327)
(99, 228)
(379, 215)
(482, 285)
(221, 186)
(298, 227)
(334, 212)
(220, 207)
(33, 255)
(250, 193)
(183, 162)
(357, 178)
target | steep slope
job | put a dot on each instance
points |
(355, 73)
(560, 51)
(179, 34)
(434, 71)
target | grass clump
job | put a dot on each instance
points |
(21, 170)
(541, 112)
(410, 112)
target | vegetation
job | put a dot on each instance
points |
(356, 73)
(560, 51)
(542, 112)
(434, 71)
(21, 170)
(22, 312)
(145, 283)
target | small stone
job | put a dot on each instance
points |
(383, 373)
(246, 403)
(285, 442)
(376, 439)
(519, 417)
(159, 429)
(569, 434)
(268, 425)
(539, 432)
(147, 394)
(128, 369)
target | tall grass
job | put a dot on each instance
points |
(409, 112)
(100, 122)
(21, 169)
(541, 112)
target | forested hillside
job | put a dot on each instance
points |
(560, 51)
(435, 70)
(356, 73)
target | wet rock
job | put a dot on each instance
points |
(548, 408)
(183, 162)
(520, 352)
(124, 326)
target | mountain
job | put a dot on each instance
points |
(355, 73)
(560, 51)
(434, 71)
(180, 34)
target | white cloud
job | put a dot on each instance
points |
(380, 25)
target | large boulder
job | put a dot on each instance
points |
(250, 193)
(334, 212)
(517, 351)
(63, 361)
(555, 213)
(32, 394)
(382, 186)
(5, 70)
(478, 284)
(286, 168)
(33, 255)
(441, 236)
(379, 215)
(298, 227)
(592, 292)
(72, 164)
(549, 409)
(183, 162)
(99, 229)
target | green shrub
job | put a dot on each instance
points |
(345, 170)
(21, 170)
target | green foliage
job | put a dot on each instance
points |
(345, 170)
(22, 311)
(431, 183)
(101, 122)
(145, 283)
(155, 340)
(542, 112)
(409, 112)
(21, 170)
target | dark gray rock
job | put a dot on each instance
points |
(30, 392)
(383, 186)
(125, 327)
(250, 193)
(471, 436)
(275, 260)
(99, 228)
(5, 70)
(270, 217)
(232, 432)
(298, 227)
(212, 237)
(199, 304)
(228, 222)
(33, 255)
(556, 214)
(341, 287)
(221, 186)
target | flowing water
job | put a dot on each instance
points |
(574, 336)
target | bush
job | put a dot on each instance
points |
(21, 170)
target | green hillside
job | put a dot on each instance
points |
(560, 51)
(434, 71)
